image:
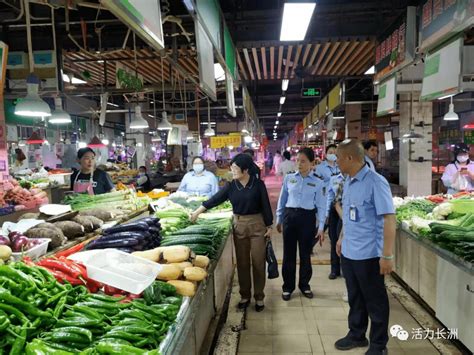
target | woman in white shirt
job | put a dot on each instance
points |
(286, 166)
(198, 181)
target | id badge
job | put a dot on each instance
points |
(353, 213)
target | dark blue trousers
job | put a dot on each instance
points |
(335, 226)
(367, 298)
(299, 229)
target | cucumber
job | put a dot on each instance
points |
(185, 240)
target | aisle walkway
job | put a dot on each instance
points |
(303, 326)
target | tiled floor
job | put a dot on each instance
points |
(303, 326)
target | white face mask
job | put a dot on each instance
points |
(462, 158)
(198, 168)
(331, 157)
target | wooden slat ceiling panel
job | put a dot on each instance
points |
(243, 72)
(331, 58)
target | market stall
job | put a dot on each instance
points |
(434, 257)
(196, 261)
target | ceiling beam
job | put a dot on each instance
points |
(241, 66)
(321, 56)
(342, 60)
(280, 60)
(257, 65)
(272, 62)
(333, 50)
(306, 53)
(264, 62)
(361, 47)
(297, 58)
(313, 56)
(249, 65)
(366, 48)
(337, 56)
(288, 58)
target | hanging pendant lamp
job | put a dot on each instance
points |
(451, 115)
(59, 116)
(209, 132)
(164, 124)
(32, 105)
(138, 121)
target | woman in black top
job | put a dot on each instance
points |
(88, 179)
(252, 224)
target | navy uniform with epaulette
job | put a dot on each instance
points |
(296, 211)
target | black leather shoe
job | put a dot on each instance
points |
(347, 343)
(286, 296)
(259, 308)
(243, 305)
(376, 352)
(332, 276)
(307, 293)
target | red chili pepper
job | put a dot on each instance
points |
(61, 266)
(75, 249)
(27, 260)
(75, 265)
(111, 291)
(61, 277)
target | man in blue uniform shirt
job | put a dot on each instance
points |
(366, 249)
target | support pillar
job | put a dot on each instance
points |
(353, 121)
(415, 175)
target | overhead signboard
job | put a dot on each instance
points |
(387, 101)
(310, 92)
(209, 15)
(396, 48)
(143, 16)
(3, 65)
(229, 53)
(442, 71)
(226, 141)
(441, 19)
(335, 97)
(207, 82)
(314, 115)
(322, 107)
(229, 85)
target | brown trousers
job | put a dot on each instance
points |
(250, 249)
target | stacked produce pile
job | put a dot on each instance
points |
(192, 203)
(142, 234)
(125, 200)
(447, 222)
(180, 267)
(16, 198)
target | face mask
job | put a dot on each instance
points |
(462, 158)
(331, 157)
(198, 168)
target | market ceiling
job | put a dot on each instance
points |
(339, 45)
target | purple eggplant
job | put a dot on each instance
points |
(151, 221)
(115, 243)
(4, 240)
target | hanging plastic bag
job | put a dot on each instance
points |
(460, 183)
(272, 268)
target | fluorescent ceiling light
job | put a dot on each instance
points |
(105, 141)
(189, 5)
(82, 145)
(296, 18)
(207, 123)
(277, 122)
(219, 73)
(138, 121)
(279, 114)
(112, 104)
(445, 97)
(72, 80)
(338, 117)
(370, 71)
(164, 125)
(248, 139)
(284, 84)
(59, 116)
(282, 100)
(32, 105)
(451, 115)
(275, 127)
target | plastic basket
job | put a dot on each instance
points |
(35, 252)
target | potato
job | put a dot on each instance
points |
(194, 273)
(184, 288)
(5, 252)
(169, 272)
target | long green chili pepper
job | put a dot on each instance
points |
(19, 343)
(58, 310)
(13, 310)
(7, 297)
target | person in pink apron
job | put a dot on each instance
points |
(88, 179)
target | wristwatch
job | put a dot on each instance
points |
(389, 257)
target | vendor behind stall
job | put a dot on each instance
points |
(143, 180)
(199, 181)
(88, 179)
(459, 175)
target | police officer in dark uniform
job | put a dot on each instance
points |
(296, 216)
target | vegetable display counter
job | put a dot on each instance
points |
(442, 279)
(187, 335)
